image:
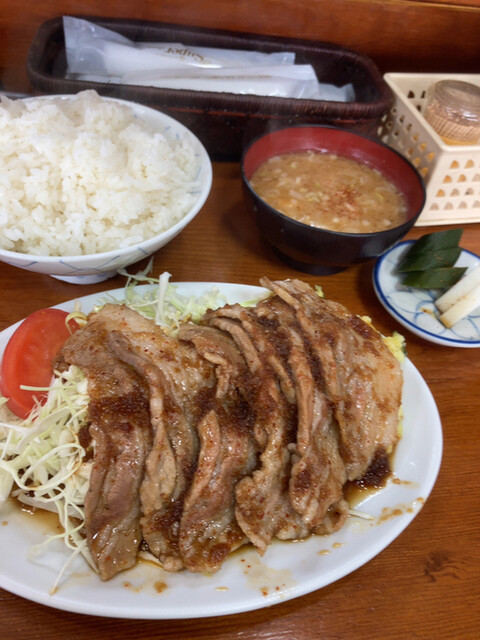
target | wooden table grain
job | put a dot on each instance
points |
(425, 585)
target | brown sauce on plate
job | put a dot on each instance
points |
(375, 478)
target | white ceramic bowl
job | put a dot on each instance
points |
(91, 268)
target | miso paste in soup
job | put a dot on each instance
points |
(329, 191)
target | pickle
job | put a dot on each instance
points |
(439, 278)
(430, 260)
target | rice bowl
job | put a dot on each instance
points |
(94, 184)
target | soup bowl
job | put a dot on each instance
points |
(318, 250)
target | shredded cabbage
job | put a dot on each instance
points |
(42, 461)
(163, 303)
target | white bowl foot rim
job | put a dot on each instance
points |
(91, 279)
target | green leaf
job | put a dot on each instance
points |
(434, 278)
(430, 260)
(444, 239)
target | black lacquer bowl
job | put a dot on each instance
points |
(321, 251)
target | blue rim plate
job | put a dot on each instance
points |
(415, 308)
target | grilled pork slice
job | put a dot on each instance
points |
(209, 531)
(262, 505)
(362, 378)
(119, 420)
(318, 471)
(301, 474)
(181, 385)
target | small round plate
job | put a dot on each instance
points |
(415, 308)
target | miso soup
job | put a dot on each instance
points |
(329, 191)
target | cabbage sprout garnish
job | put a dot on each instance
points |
(163, 303)
(42, 461)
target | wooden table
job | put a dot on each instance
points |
(425, 585)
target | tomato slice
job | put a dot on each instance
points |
(28, 356)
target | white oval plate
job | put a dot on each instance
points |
(246, 581)
(415, 309)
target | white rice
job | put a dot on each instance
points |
(84, 175)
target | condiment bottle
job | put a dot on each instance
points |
(452, 108)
